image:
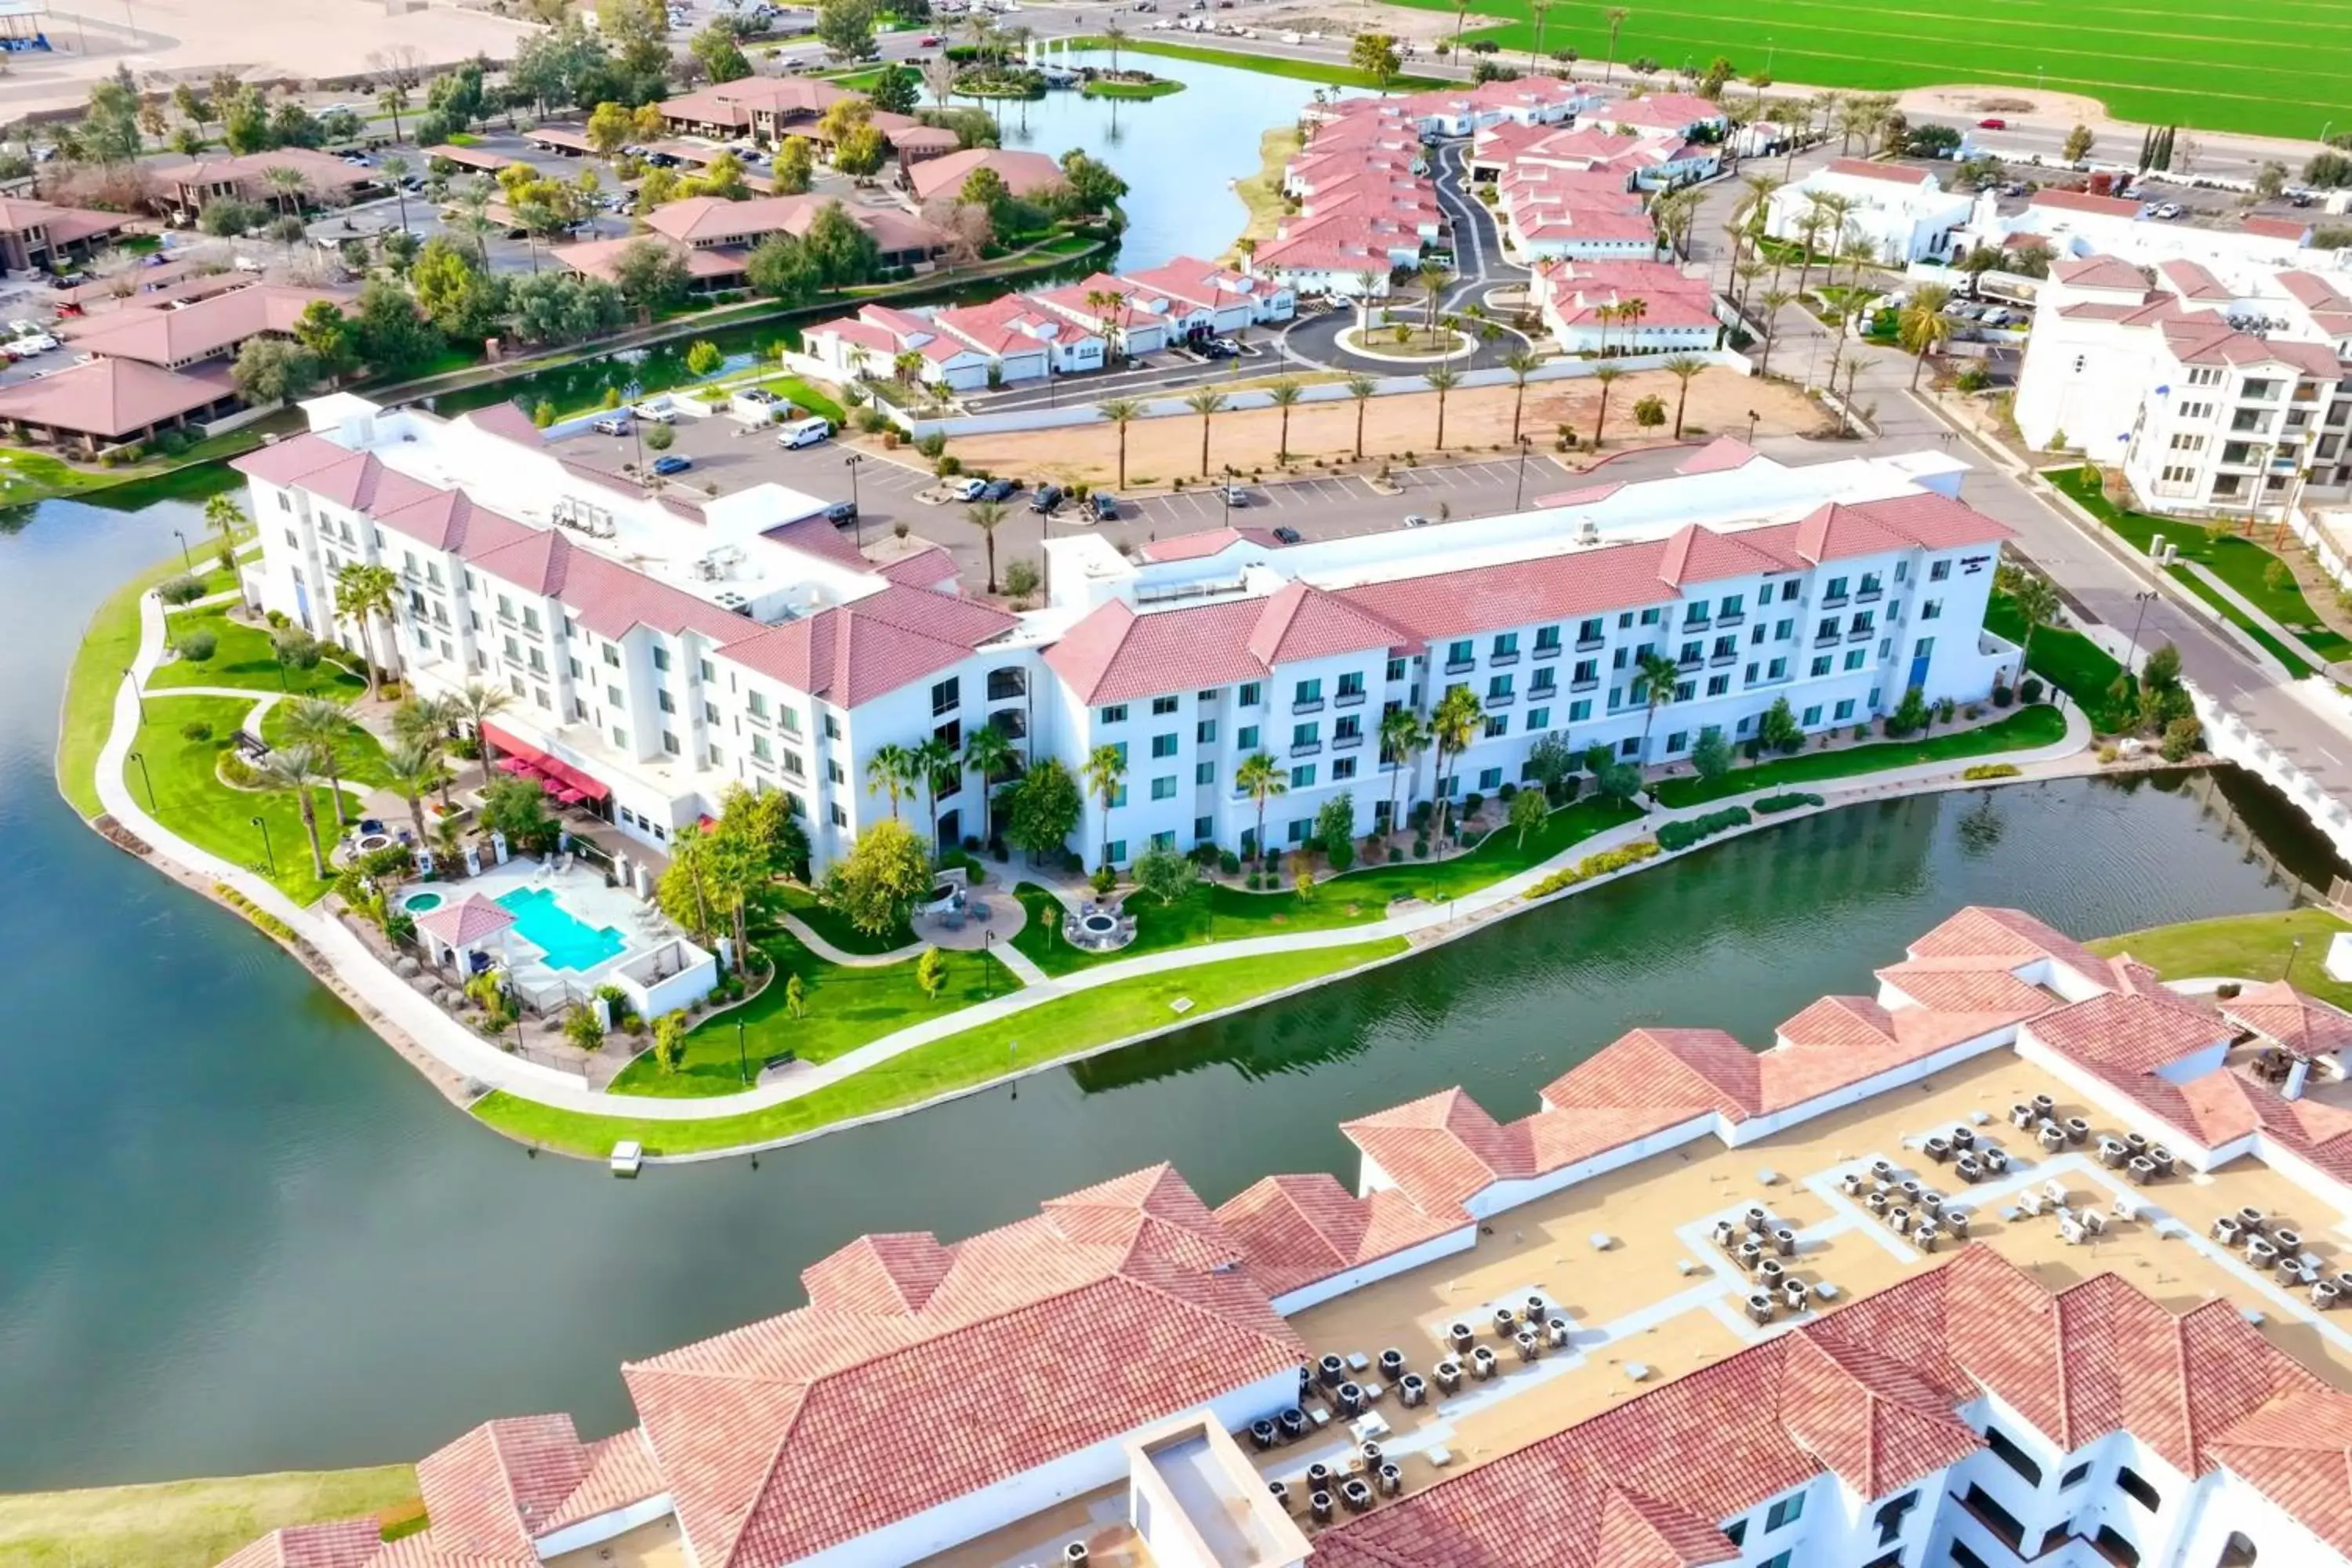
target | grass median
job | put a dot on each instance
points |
(2040, 725)
(1034, 1037)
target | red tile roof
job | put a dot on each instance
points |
(111, 397)
(1864, 169)
(495, 1488)
(1295, 1230)
(2303, 1024)
(170, 335)
(345, 1544)
(2130, 1034)
(856, 652)
(1442, 1149)
(1114, 1307)
(2083, 201)
(463, 924)
(1208, 541)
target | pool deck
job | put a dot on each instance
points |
(581, 893)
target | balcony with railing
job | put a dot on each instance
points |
(1349, 700)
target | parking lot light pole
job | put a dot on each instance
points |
(187, 562)
(1519, 485)
(267, 853)
(851, 462)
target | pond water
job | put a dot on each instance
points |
(236, 1233)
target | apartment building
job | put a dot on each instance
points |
(1630, 307)
(668, 648)
(2215, 391)
(1365, 208)
(1902, 213)
(1077, 1385)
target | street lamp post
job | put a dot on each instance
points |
(141, 758)
(1751, 427)
(743, 1062)
(987, 963)
(187, 562)
(1519, 485)
(852, 462)
(1012, 1057)
(267, 853)
(2293, 955)
(136, 695)
(2146, 596)
(1226, 494)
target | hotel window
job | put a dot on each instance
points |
(669, 742)
(947, 695)
(1538, 719)
(1396, 670)
(1162, 706)
(1678, 741)
(1303, 776)
(1780, 1558)
(531, 624)
(1459, 652)
(1685, 690)
(1811, 716)
(1844, 712)
(1114, 714)
(1836, 589)
(1777, 670)
(1626, 621)
(1497, 727)
(1547, 679)
(613, 696)
(1204, 828)
(1890, 1515)
(1717, 685)
(1650, 616)
(1246, 737)
(1163, 745)
(1932, 610)
(1695, 612)
(792, 762)
(612, 656)
(1547, 637)
(2178, 474)
(1854, 660)
(833, 773)
(760, 749)
(1300, 829)
(2074, 1478)
(1307, 734)
(1578, 712)
(1307, 691)
(1164, 788)
(2135, 1486)
(757, 702)
(620, 737)
(840, 817)
(1205, 732)
(702, 667)
(1498, 688)
(514, 683)
(1507, 644)
(1490, 778)
(1213, 694)
(1732, 604)
(1204, 773)
(1251, 693)
(790, 718)
(1786, 1511)
(1351, 684)
(1343, 770)
(667, 703)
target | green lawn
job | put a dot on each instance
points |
(189, 1524)
(191, 800)
(2241, 562)
(2070, 661)
(2255, 947)
(1040, 1034)
(2168, 64)
(805, 394)
(804, 904)
(1215, 912)
(36, 475)
(846, 1007)
(1159, 88)
(242, 656)
(1264, 65)
(108, 646)
(358, 752)
(2040, 725)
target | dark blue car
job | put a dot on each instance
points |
(673, 464)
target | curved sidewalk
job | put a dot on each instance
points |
(465, 1053)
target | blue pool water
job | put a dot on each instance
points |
(569, 942)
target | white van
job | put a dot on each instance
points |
(804, 433)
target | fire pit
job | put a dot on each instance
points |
(1098, 925)
(1097, 928)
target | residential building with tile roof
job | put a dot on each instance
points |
(2215, 384)
(715, 236)
(1903, 214)
(1669, 310)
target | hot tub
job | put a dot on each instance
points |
(369, 843)
(421, 903)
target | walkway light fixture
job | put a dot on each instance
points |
(187, 560)
(742, 1063)
(141, 758)
(136, 695)
(267, 853)
(2146, 596)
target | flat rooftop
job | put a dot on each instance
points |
(1663, 1298)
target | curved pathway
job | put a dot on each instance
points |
(465, 1053)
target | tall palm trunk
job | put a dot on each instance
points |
(311, 826)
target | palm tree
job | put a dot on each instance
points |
(1402, 738)
(224, 517)
(1442, 380)
(362, 593)
(1538, 7)
(1121, 412)
(1775, 301)
(1461, 15)
(1924, 326)
(1365, 283)
(934, 762)
(1615, 16)
(1655, 677)
(1457, 721)
(392, 101)
(396, 169)
(1633, 312)
(414, 770)
(427, 721)
(2037, 604)
(986, 515)
(479, 704)
(1205, 404)
(323, 729)
(1114, 33)
(294, 770)
(1260, 778)
(1360, 388)
(286, 186)
(1521, 362)
(1432, 280)
(1105, 768)
(1606, 375)
(988, 751)
(1681, 367)
(1283, 393)
(890, 769)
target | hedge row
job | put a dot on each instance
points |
(1788, 801)
(1991, 771)
(1683, 835)
(1592, 866)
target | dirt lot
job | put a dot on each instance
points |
(1161, 451)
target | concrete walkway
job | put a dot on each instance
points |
(465, 1053)
(805, 934)
(2289, 640)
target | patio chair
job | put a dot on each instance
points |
(978, 911)
(952, 920)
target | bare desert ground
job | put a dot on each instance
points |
(1160, 451)
(167, 41)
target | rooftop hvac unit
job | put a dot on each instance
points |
(1588, 532)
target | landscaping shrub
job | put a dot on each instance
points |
(1396, 856)
(1104, 879)
(2182, 737)
(1228, 862)
(237, 772)
(1683, 835)
(1470, 805)
(2002, 697)
(196, 730)
(180, 590)
(1991, 771)
(196, 647)
(1791, 801)
(1598, 865)
(2028, 690)
(1420, 848)
(1252, 884)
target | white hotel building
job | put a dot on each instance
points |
(664, 649)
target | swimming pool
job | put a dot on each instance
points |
(569, 942)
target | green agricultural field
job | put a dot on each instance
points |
(2188, 62)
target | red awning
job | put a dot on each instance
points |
(557, 772)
